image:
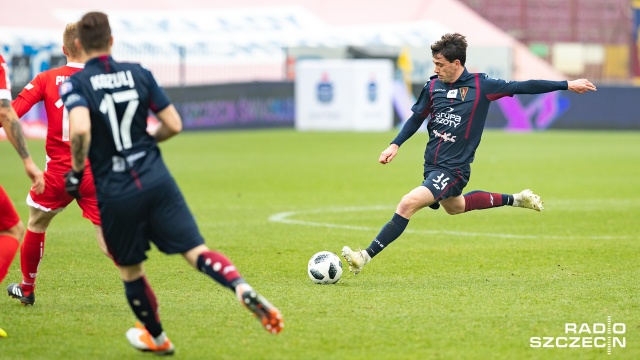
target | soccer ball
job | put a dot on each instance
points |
(324, 267)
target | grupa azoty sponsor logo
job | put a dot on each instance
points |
(447, 117)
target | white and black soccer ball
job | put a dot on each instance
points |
(324, 267)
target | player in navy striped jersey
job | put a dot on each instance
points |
(457, 102)
(139, 201)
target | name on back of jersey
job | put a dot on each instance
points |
(60, 79)
(112, 81)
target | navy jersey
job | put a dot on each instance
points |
(125, 159)
(458, 112)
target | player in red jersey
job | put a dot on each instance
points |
(44, 207)
(11, 228)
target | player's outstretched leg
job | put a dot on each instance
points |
(142, 340)
(356, 259)
(528, 200)
(15, 291)
(268, 315)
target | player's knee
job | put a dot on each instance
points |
(38, 223)
(453, 209)
(453, 205)
(408, 206)
(39, 220)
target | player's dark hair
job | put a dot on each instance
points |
(94, 31)
(451, 47)
(68, 36)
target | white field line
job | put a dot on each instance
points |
(287, 218)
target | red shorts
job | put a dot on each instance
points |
(8, 214)
(55, 198)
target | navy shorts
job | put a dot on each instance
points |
(159, 215)
(445, 183)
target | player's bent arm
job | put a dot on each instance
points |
(537, 86)
(80, 135)
(410, 127)
(170, 123)
(13, 129)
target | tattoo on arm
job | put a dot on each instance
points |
(79, 150)
(12, 127)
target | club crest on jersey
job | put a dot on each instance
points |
(463, 92)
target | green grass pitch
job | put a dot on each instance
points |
(471, 286)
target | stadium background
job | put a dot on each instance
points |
(214, 56)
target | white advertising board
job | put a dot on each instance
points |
(344, 95)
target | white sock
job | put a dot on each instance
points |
(366, 256)
(516, 200)
(160, 339)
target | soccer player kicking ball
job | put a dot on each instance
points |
(139, 200)
(457, 102)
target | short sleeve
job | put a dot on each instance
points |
(421, 107)
(159, 99)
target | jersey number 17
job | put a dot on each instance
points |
(121, 131)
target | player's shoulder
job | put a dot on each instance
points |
(132, 65)
(430, 82)
(486, 77)
(56, 74)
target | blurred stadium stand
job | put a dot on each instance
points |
(233, 64)
(199, 42)
(581, 38)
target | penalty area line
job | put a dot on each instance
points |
(286, 217)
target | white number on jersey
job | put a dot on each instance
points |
(122, 133)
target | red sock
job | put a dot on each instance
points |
(8, 249)
(30, 255)
(478, 200)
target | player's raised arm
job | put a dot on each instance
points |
(581, 86)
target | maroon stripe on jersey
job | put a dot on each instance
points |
(475, 104)
(105, 60)
(430, 96)
(435, 157)
(134, 174)
(429, 107)
(494, 97)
